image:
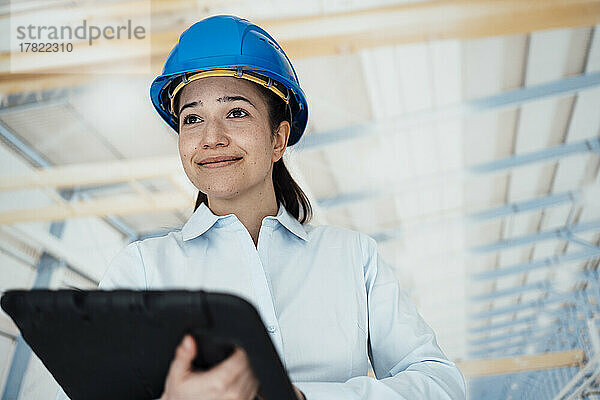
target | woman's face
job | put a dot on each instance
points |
(225, 140)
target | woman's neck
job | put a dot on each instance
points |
(250, 209)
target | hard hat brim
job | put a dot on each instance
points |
(159, 92)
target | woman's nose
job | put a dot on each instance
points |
(215, 135)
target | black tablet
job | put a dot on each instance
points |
(119, 344)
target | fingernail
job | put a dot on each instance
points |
(187, 343)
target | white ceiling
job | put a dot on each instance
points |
(418, 163)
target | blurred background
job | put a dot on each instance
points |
(463, 135)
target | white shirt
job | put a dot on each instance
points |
(323, 294)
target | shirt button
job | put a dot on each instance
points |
(271, 328)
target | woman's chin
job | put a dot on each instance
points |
(231, 189)
(221, 193)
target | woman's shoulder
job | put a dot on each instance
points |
(152, 245)
(334, 233)
(159, 240)
(129, 267)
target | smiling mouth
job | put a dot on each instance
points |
(219, 163)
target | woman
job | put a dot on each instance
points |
(330, 305)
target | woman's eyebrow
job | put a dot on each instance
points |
(192, 104)
(234, 98)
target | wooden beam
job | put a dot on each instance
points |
(57, 248)
(181, 198)
(426, 21)
(101, 10)
(515, 365)
(114, 205)
(94, 174)
(348, 32)
(12, 83)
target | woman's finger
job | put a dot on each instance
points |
(251, 387)
(245, 386)
(232, 377)
(232, 367)
(182, 362)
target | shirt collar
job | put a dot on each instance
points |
(291, 223)
(203, 219)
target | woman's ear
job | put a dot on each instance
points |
(280, 140)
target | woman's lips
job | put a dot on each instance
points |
(218, 162)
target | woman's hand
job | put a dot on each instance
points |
(232, 379)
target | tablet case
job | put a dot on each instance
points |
(119, 344)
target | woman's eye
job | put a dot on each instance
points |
(191, 119)
(237, 113)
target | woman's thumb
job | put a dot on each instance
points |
(184, 355)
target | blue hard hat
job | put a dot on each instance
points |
(225, 45)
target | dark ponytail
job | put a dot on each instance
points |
(287, 191)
